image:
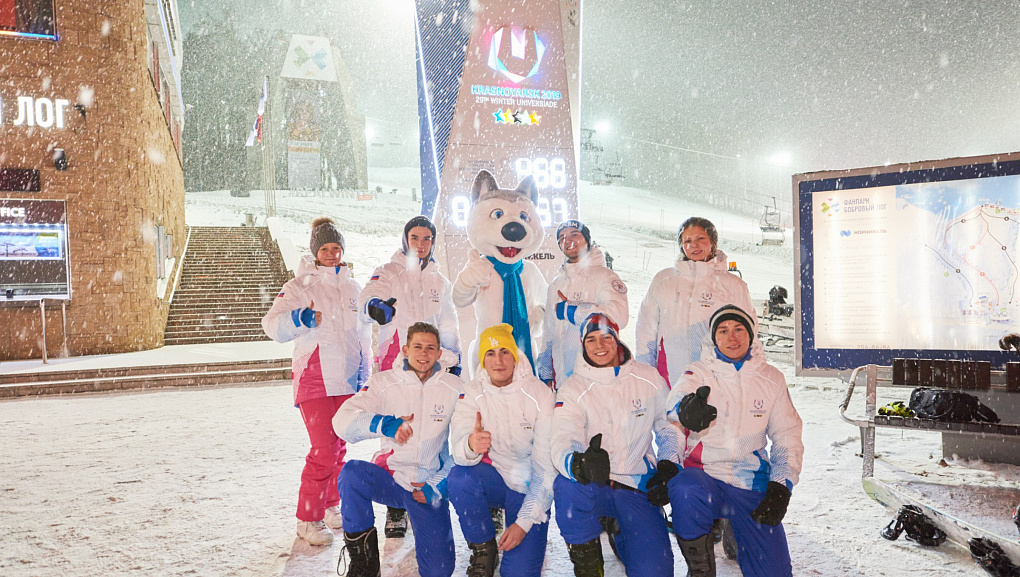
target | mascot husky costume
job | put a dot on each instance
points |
(504, 228)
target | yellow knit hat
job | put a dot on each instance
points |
(499, 336)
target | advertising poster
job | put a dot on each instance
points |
(34, 262)
(304, 139)
(27, 18)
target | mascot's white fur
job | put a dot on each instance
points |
(503, 226)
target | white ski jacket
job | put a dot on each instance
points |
(627, 404)
(589, 287)
(674, 315)
(344, 342)
(398, 393)
(422, 295)
(519, 418)
(754, 406)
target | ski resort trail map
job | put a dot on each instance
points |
(959, 278)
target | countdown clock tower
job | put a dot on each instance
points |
(498, 89)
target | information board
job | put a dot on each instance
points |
(34, 262)
(908, 261)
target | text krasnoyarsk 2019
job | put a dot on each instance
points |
(481, 90)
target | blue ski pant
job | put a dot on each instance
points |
(643, 541)
(698, 499)
(473, 491)
(362, 483)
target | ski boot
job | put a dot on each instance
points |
(612, 529)
(918, 527)
(497, 519)
(396, 523)
(484, 559)
(699, 554)
(363, 548)
(990, 557)
(722, 531)
(587, 558)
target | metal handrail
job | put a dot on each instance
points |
(180, 266)
(846, 402)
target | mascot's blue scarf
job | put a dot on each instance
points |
(515, 308)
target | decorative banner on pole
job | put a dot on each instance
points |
(256, 131)
(309, 58)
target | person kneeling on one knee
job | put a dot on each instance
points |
(606, 414)
(408, 409)
(727, 407)
(499, 438)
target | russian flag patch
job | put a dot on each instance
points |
(279, 295)
(688, 372)
(461, 396)
(559, 404)
(374, 277)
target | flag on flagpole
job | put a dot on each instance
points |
(256, 130)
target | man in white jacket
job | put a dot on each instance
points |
(499, 438)
(728, 406)
(606, 415)
(406, 290)
(584, 285)
(411, 468)
(674, 314)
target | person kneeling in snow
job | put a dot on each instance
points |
(410, 470)
(728, 405)
(499, 438)
(605, 415)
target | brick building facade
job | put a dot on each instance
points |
(104, 88)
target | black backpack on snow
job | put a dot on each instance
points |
(949, 406)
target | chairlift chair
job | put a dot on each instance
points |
(773, 233)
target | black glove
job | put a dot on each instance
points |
(773, 507)
(591, 466)
(658, 492)
(382, 311)
(694, 411)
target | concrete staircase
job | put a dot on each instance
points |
(231, 276)
(15, 385)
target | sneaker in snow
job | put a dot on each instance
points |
(315, 532)
(332, 518)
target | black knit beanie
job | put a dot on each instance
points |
(732, 313)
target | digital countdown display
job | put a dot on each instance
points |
(908, 261)
(512, 111)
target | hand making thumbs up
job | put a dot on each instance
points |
(405, 431)
(480, 440)
(308, 316)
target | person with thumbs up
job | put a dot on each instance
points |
(727, 407)
(317, 310)
(583, 284)
(408, 409)
(605, 418)
(499, 439)
(408, 289)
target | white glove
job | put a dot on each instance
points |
(476, 272)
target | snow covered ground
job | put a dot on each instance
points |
(204, 481)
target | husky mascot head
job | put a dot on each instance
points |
(504, 223)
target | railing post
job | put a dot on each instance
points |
(42, 312)
(868, 432)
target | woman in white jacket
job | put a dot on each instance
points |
(332, 358)
(409, 410)
(728, 407)
(606, 415)
(674, 314)
(499, 438)
(410, 289)
(584, 285)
